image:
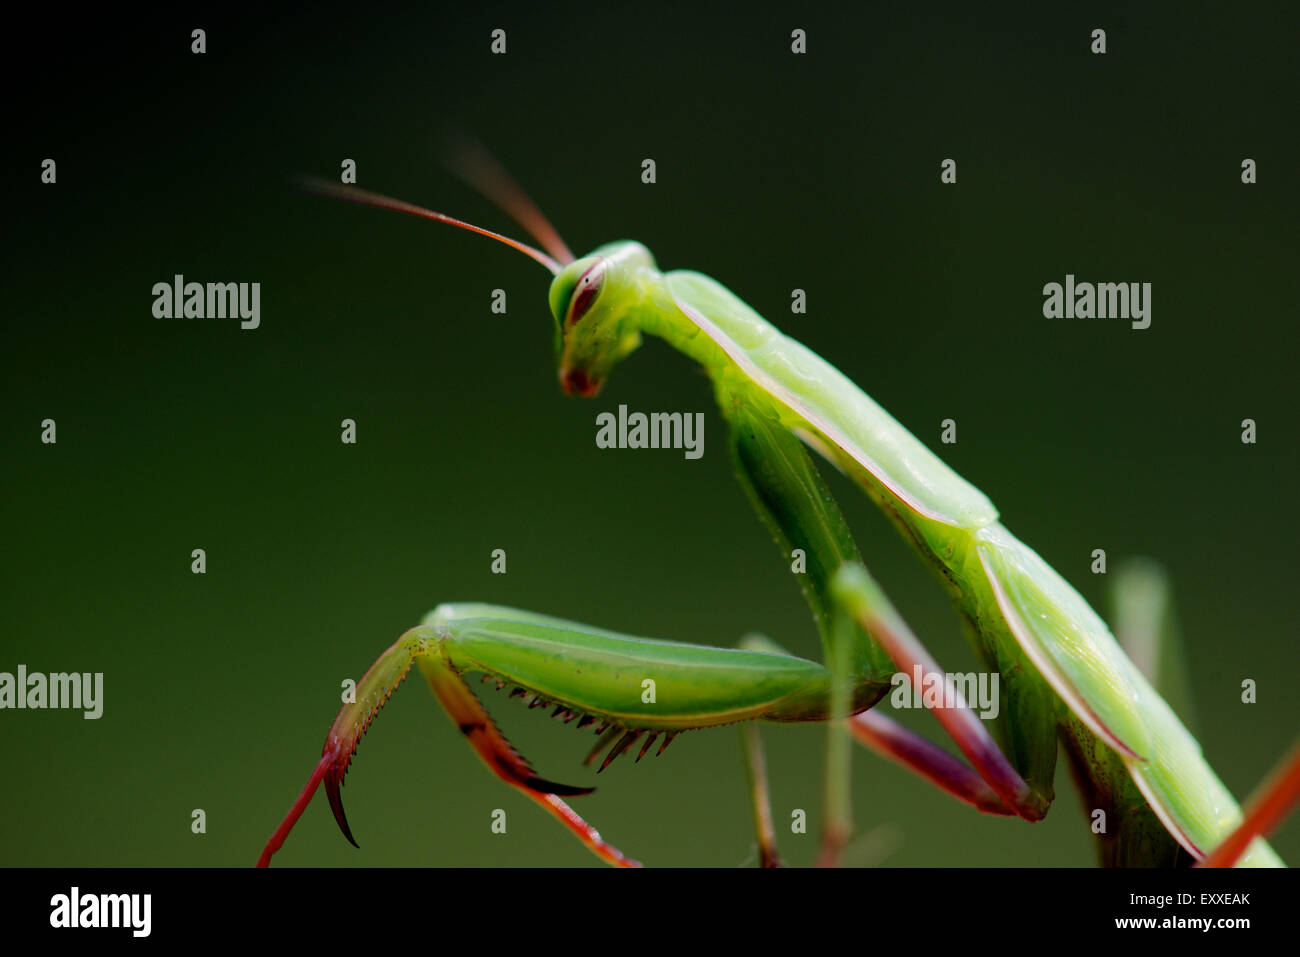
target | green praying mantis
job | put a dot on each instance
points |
(1066, 684)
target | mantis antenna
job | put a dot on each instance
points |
(470, 160)
(364, 197)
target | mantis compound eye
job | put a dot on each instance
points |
(586, 291)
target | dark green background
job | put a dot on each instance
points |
(774, 172)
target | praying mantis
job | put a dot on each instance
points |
(1065, 681)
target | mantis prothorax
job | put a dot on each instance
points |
(1065, 680)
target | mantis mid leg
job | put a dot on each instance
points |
(887, 738)
(923, 757)
(864, 601)
(855, 620)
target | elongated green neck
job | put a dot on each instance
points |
(659, 316)
(656, 313)
(646, 301)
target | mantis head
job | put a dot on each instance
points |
(591, 300)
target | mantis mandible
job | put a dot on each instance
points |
(1066, 683)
